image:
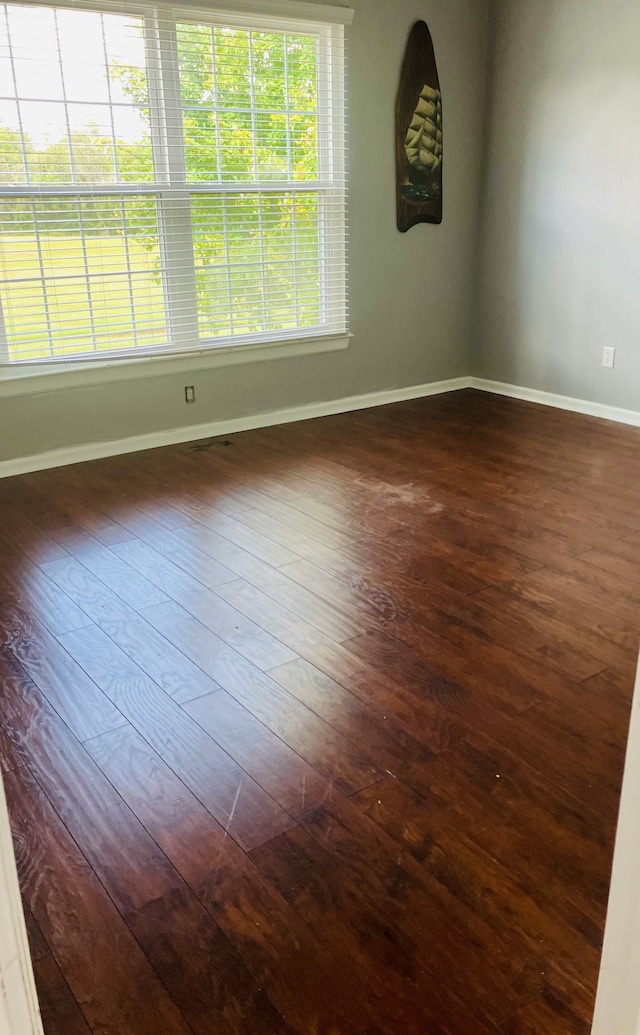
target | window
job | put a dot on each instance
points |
(170, 179)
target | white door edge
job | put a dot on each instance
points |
(617, 1009)
(19, 1011)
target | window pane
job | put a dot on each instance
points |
(205, 152)
(13, 153)
(249, 102)
(269, 72)
(302, 73)
(257, 262)
(76, 90)
(272, 146)
(232, 66)
(80, 275)
(304, 146)
(308, 223)
(235, 130)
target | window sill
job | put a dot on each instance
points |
(33, 379)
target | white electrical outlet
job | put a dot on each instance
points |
(608, 357)
(189, 394)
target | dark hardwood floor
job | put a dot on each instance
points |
(320, 729)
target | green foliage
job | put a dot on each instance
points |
(11, 162)
(83, 157)
(249, 115)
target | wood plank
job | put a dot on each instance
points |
(331, 754)
(321, 613)
(548, 594)
(38, 947)
(253, 541)
(130, 586)
(202, 972)
(419, 700)
(284, 775)
(60, 1012)
(406, 611)
(66, 489)
(435, 919)
(111, 980)
(97, 557)
(188, 558)
(576, 768)
(165, 665)
(453, 617)
(547, 1013)
(182, 463)
(507, 787)
(76, 698)
(20, 535)
(435, 836)
(275, 945)
(271, 615)
(241, 472)
(129, 864)
(238, 802)
(12, 754)
(292, 538)
(339, 536)
(372, 941)
(212, 609)
(372, 728)
(44, 601)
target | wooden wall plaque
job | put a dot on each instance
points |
(419, 134)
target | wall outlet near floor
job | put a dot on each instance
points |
(608, 357)
(190, 393)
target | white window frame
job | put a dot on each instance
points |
(188, 351)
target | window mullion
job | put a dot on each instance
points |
(331, 201)
(222, 186)
(324, 171)
(176, 235)
(4, 344)
(256, 176)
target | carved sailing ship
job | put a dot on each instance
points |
(419, 133)
(423, 142)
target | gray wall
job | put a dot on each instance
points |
(410, 294)
(559, 257)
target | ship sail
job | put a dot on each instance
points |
(423, 142)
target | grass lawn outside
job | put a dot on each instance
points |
(91, 304)
(105, 293)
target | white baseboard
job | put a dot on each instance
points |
(560, 402)
(193, 432)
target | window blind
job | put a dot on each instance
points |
(170, 178)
